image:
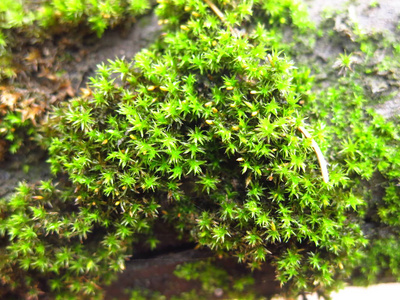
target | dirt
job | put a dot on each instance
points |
(156, 274)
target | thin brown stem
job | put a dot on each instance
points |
(220, 15)
(320, 156)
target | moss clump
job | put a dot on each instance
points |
(366, 146)
(33, 17)
(206, 130)
(205, 124)
(57, 248)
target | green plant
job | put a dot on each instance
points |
(365, 144)
(62, 249)
(26, 25)
(206, 124)
(374, 4)
(97, 14)
(208, 127)
(344, 63)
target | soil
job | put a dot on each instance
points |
(155, 270)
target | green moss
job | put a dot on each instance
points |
(98, 15)
(22, 21)
(205, 126)
(49, 250)
(363, 143)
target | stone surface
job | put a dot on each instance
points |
(383, 17)
(390, 108)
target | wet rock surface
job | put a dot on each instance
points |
(383, 16)
(118, 43)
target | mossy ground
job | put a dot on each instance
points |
(356, 141)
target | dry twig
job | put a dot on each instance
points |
(320, 156)
(221, 16)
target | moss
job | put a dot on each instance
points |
(51, 248)
(361, 142)
(208, 130)
(25, 30)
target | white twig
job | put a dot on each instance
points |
(320, 156)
